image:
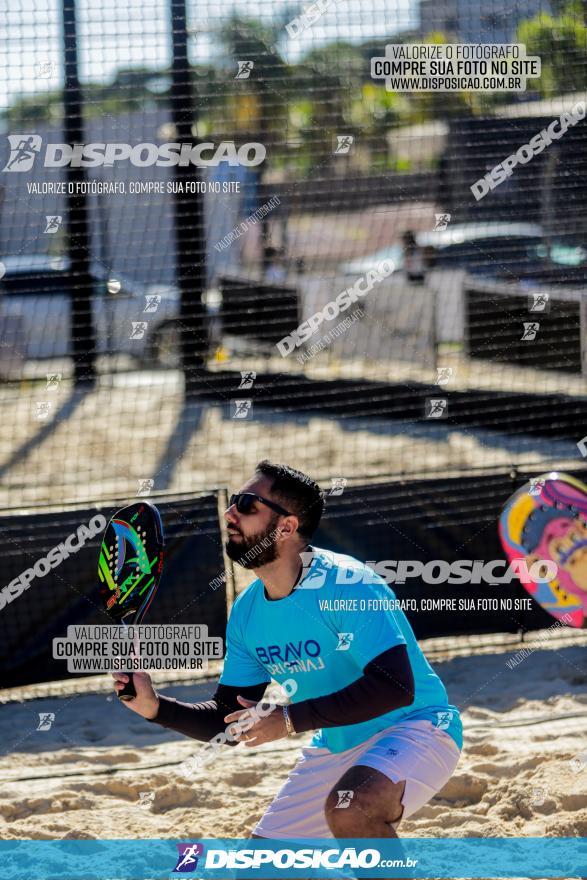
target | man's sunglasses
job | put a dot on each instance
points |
(244, 503)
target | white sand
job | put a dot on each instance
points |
(515, 777)
(195, 447)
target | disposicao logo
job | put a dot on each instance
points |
(187, 859)
(24, 149)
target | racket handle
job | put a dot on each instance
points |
(128, 692)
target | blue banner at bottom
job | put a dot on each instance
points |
(351, 858)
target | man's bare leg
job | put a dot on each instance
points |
(375, 804)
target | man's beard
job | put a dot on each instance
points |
(256, 550)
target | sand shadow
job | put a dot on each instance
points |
(62, 415)
(188, 422)
(96, 721)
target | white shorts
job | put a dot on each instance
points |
(416, 751)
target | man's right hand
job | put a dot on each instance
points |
(146, 702)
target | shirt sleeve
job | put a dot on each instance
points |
(371, 629)
(204, 720)
(387, 684)
(241, 667)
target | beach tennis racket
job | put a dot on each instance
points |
(546, 521)
(130, 566)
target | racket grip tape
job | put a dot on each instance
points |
(128, 692)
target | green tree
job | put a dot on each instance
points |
(328, 79)
(264, 93)
(428, 106)
(248, 40)
(131, 90)
(561, 43)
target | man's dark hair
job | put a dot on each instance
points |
(296, 492)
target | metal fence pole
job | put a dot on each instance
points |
(83, 337)
(189, 210)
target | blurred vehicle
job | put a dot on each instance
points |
(129, 317)
(510, 252)
(362, 264)
(516, 253)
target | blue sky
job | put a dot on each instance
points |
(116, 34)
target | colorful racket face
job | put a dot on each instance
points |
(131, 561)
(130, 566)
(546, 519)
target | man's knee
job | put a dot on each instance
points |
(362, 798)
(345, 809)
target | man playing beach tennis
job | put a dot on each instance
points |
(324, 625)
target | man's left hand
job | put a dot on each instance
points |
(256, 728)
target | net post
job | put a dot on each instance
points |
(83, 336)
(189, 211)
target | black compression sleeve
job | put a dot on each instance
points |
(387, 683)
(204, 720)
